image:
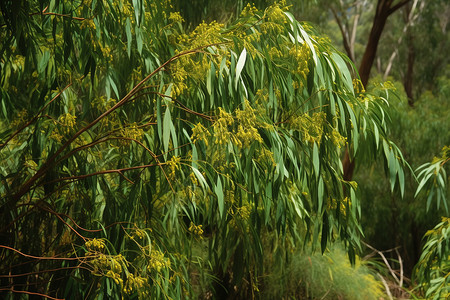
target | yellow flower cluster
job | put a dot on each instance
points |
(175, 17)
(275, 53)
(266, 156)
(271, 28)
(221, 133)
(333, 203)
(275, 18)
(174, 165)
(131, 132)
(358, 86)
(108, 265)
(138, 234)
(275, 13)
(246, 132)
(310, 126)
(246, 136)
(67, 121)
(126, 8)
(338, 139)
(445, 152)
(115, 276)
(135, 283)
(445, 156)
(179, 75)
(204, 34)
(249, 11)
(158, 261)
(103, 104)
(193, 178)
(196, 229)
(247, 116)
(244, 211)
(95, 245)
(200, 133)
(88, 23)
(18, 61)
(240, 216)
(300, 54)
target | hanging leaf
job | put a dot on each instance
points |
(239, 66)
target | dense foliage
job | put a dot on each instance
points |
(143, 160)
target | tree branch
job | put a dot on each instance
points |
(397, 6)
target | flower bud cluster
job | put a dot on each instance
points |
(158, 261)
(196, 229)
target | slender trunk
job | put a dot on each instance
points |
(379, 21)
(383, 10)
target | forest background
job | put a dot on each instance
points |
(193, 149)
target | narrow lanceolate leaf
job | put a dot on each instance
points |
(239, 66)
(167, 127)
(320, 191)
(401, 180)
(218, 189)
(343, 69)
(316, 161)
(129, 36)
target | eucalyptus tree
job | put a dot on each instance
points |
(142, 160)
(433, 269)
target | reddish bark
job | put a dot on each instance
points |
(383, 10)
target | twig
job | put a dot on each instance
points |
(59, 217)
(400, 261)
(29, 293)
(35, 117)
(78, 177)
(43, 271)
(386, 286)
(45, 13)
(385, 262)
(44, 257)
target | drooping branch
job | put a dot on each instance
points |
(51, 161)
(35, 117)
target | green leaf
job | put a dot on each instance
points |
(401, 180)
(343, 68)
(129, 36)
(139, 39)
(422, 183)
(239, 66)
(220, 198)
(320, 191)
(167, 127)
(392, 163)
(200, 178)
(316, 161)
(138, 8)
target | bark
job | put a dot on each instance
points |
(384, 9)
(379, 21)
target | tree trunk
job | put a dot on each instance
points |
(379, 21)
(383, 10)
